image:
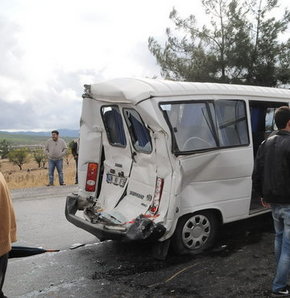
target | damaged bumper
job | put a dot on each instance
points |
(142, 228)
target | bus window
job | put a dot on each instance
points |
(270, 121)
(207, 125)
(191, 125)
(232, 122)
(114, 126)
(138, 131)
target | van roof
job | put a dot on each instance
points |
(134, 90)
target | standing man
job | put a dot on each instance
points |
(7, 229)
(55, 149)
(271, 181)
(75, 152)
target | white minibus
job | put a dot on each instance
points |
(169, 161)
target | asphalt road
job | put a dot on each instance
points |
(241, 264)
(41, 220)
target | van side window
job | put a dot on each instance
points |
(270, 125)
(138, 131)
(207, 125)
(114, 126)
(231, 122)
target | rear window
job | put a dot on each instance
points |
(206, 125)
(138, 131)
(114, 125)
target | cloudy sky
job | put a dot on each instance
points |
(50, 48)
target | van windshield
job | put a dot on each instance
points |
(138, 131)
(206, 125)
(114, 125)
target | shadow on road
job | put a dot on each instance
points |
(227, 270)
(137, 258)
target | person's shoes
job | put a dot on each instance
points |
(284, 292)
(62, 184)
(49, 184)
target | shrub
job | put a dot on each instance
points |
(40, 157)
(19, 156)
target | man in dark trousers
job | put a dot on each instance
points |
(271, 181)
(75, 152)
(7, 229)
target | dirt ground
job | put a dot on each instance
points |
(33, 176)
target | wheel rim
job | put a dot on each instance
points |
(196, 232)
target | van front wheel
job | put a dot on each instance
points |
(195, 233)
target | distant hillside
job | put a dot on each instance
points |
(35, 138)
(63, 133)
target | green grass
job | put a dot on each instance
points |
(19, 139)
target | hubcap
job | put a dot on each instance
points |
(196, 231)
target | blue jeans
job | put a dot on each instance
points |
(281, 217)
(58, 164)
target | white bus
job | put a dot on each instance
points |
(169, 161)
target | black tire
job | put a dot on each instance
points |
(195, 233)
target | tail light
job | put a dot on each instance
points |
(157, 195)
(92, 174)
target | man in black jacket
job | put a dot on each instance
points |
(271, 181)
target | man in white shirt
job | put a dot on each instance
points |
(55, 149)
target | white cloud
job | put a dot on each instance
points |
(50, 48)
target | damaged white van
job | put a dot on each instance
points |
(169, 161)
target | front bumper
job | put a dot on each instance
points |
(141, 229)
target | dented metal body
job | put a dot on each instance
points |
(164, 150)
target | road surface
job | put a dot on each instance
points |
(41, 220)
(241, 264)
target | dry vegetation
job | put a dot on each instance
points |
(32, 176)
